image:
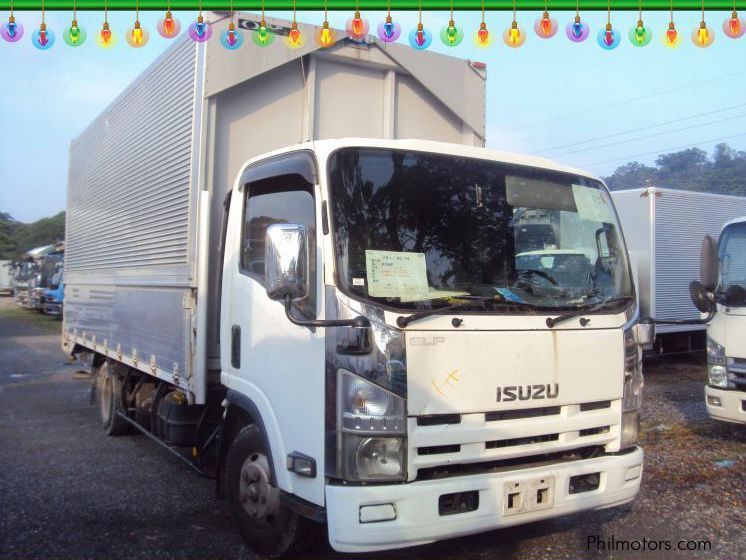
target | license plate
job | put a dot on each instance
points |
(522, 496)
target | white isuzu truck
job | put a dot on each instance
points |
(721, 295)
(398, 341)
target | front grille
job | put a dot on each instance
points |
(521, 441)
(438, 449)
(598, 405)
(531, 462)
(480, 441)
(524, 413)
(737, 373)
(594, 431)
(438, 419)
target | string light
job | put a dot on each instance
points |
(11, 31)
(420, 38)
(326, 36)
(450, 35)
(388, 30)
(357, 27)
(640, 35)
(703, 36)
(671, 37)
(105, 38)
(168, 27)
(577, 30)
(262, 36)
(200, 31)
(734, 27)
(137, 36)
(294, 39)
(546, 26)
(608, 37)
(231, 38)
(483, 38)
(514, 35)
(43, 38)
(75, 35)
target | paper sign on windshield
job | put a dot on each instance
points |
(591, 203)
(396, 274)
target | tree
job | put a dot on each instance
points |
(689, 169)
(17, 237)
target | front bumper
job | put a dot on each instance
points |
(731, 407)
(52, 307)
(416, 504)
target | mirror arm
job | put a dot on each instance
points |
(358, 321)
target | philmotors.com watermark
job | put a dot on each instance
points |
(612, 544)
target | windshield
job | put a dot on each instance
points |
(733, 257)
(416, 230)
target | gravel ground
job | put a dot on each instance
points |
(68, 491)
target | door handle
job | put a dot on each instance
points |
(236, 346)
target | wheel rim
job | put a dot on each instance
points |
(259, 499)
(105, 399)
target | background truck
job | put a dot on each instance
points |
(7, 270)
(721, 296)
(337, 329)
(663, 229)
(50, 266)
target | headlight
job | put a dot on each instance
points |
(633, 378)
(716, 370)
(372, 425)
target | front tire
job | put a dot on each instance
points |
(267, 527)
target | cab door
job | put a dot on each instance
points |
(276, 364)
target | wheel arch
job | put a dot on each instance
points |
(241, 411)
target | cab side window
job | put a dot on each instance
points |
(279, 200)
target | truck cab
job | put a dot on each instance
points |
(416, 372)
(721, 295)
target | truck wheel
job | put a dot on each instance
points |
(109, 397)
(267, 527)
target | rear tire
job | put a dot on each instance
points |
(109, 400)
(267, 527)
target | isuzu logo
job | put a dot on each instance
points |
(527, 392)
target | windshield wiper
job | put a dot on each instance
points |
(611, 301)
(403, 321)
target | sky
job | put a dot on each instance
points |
(575, 103)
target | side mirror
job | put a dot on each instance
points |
(286, 262)
(700, 297)
(708, 264)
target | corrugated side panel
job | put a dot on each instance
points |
(682, 219)
(129, 267)
(129, 182)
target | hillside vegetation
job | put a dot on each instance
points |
(690, 170)
(17, 237)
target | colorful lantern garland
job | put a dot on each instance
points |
(357, 29)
